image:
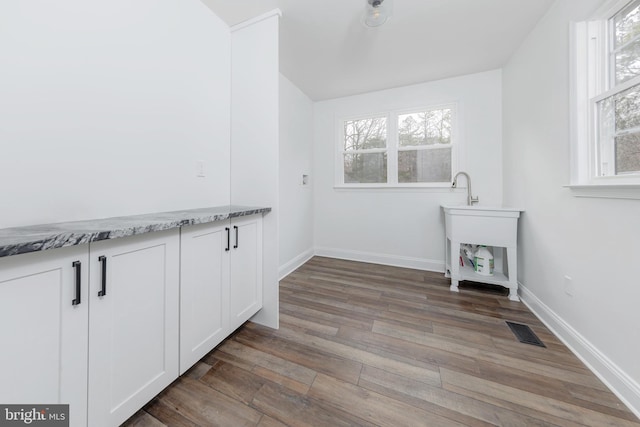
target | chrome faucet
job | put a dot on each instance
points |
(470, 199)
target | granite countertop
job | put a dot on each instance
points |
(20, 240)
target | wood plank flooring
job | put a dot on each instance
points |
(368, 345)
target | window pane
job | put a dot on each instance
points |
(606, 132)
(628, 153)
(365, 168)
(425, 128)
(365, 133)
(627, 108)
(627, 24)
(619, 123)
(628, 62)
(619, 112)
(425, 165)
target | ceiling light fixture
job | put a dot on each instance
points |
(377, 13)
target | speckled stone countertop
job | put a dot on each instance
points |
(20, 240)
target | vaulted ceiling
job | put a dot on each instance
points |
(327, 52)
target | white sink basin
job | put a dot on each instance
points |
(483, 208)
(480, 210)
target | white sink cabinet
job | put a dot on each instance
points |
(482, 225)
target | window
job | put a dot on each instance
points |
(397, 149)
(424, 151)
(365, 150)
(618, 109)
(607, 84)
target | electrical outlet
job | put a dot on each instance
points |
(305, 179)
(568, 286)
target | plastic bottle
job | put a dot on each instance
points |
(483, 261)
(468, 252)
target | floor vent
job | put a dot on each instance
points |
(525, 334)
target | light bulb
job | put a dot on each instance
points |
(376, 14)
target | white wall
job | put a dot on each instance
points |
(106, 107)
(254, 140)
(296, 200)
(594, 241)
(402, 226)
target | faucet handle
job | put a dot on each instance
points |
(473, 200)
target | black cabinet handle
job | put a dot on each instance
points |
(77, 265)
(102, 292)
(228, 239)
(235, 227)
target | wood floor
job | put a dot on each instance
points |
(369, 345)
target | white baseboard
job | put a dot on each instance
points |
(384, 259)
(291, 265)
(621, 384)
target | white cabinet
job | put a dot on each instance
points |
(204, 278)
(220, 283)
(105, 327)
(133, 323)
(53, 317)
(245, 293)
(44, 336)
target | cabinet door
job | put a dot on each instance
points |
(204, 290)
(44, 329)
(245, 288)
(133, 323)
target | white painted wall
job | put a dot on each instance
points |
(296, 200)
(594, 241)
(254, 140)
(106, 107)
(405, 226)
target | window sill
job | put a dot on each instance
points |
(606, 191)
(398, 187)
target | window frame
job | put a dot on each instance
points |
(593, 80)
(393, 147)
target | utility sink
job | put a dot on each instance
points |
(482, 208)
(494, 226)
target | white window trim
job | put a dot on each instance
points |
(393, 148)
(588, 46)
